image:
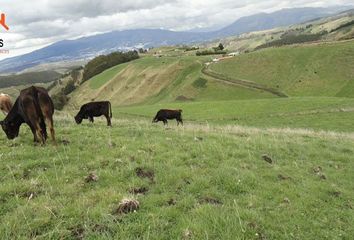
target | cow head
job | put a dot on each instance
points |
(10, 128)
(78, 119)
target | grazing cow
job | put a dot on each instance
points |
(34, 107)
(5, 103)
(95, 109)
(164, 114)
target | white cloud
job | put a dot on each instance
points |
(34, 24)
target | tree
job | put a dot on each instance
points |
(221, 47)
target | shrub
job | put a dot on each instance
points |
(59, 100)
(70, 87)
(199, 83)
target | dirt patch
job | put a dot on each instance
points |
(144, 173)
(318, 171)
(210, 200)
(139, 190)
(335, 193)
(29, 195)
(259, 232)
(187, 181)
(187, 234)
(171, 202)
(77, 232)
(183, 98)
(267, 158)
(64, 142)
(283, 177)
(127, 206)
(100, 228)
(92, 177)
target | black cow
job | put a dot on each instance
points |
(34, 107)
(95, 109)
(164, 114)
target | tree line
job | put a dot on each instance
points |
(103, 62)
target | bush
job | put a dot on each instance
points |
(70, 87)
(200, 83)
(209, 52)
(59, 100)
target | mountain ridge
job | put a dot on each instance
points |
(88, 47)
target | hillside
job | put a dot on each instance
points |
(87, 47)
(302, 70)
(316, 78)
(159, 79)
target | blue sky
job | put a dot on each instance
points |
(37, 23)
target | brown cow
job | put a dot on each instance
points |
(34, 107)
(5, 103)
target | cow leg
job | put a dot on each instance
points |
(108, 120)
(165, 122)
(35, 138)
(38, 133)
(91, 119)
(181, 121)
(49, 122)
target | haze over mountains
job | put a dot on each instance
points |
(88, 47)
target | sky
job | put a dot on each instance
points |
(37, 23)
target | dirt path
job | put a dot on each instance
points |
(239, 82)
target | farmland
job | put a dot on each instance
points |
(248, 163)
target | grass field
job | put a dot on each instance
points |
(247, 164)
(205, 182)
(306, 70)
(335, 114)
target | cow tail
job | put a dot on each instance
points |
(110, 110)
(39, 112)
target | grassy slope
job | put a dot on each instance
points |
(307, 70)
(43, 194)
(151, 80)
(14, 91)
(334, 114)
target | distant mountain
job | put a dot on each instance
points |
(284, 17)
(88, 47)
